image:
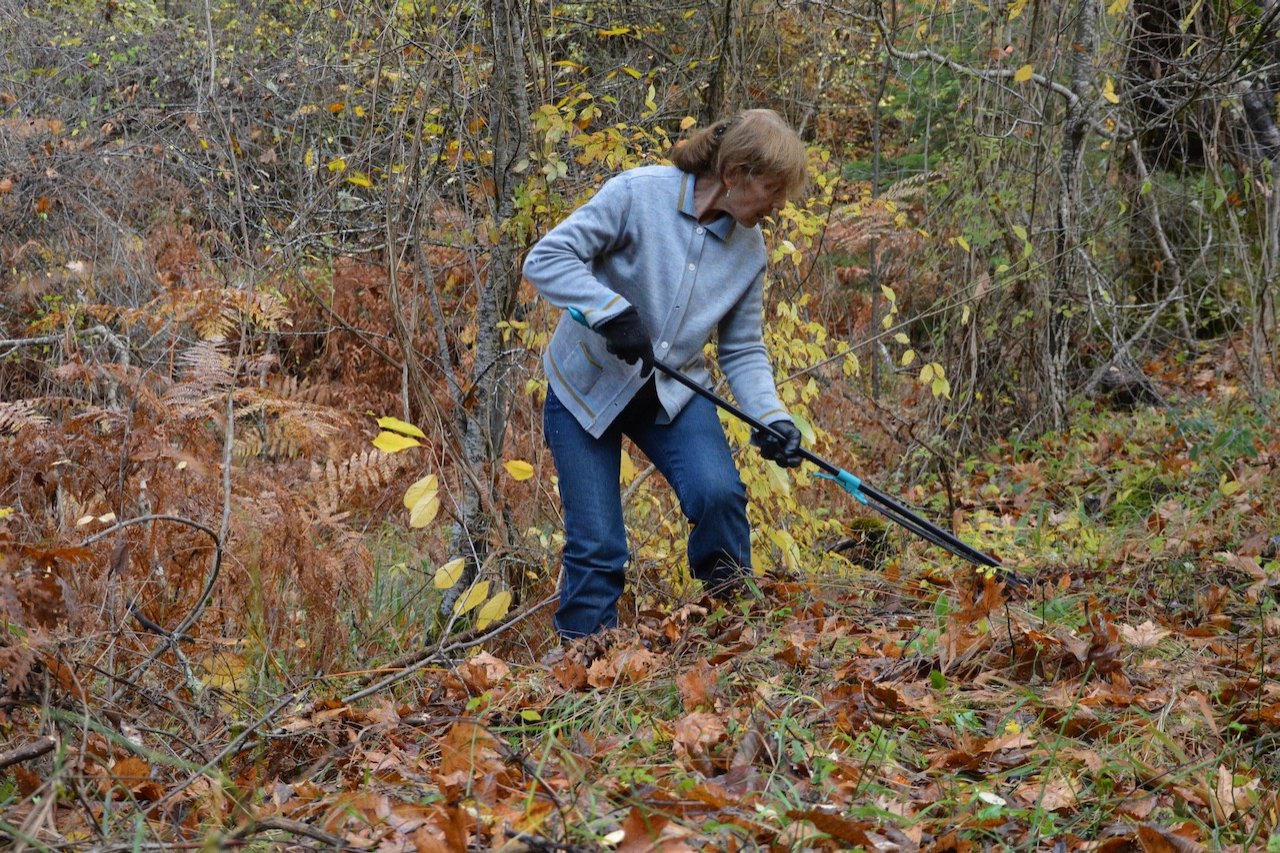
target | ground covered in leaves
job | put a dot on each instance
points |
(821, 715)
(1124, 698)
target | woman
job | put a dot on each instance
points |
(658, 262)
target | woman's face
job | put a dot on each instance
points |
(753, 197)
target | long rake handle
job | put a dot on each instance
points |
(876, 499)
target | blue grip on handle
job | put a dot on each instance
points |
(579, 316)
(847, 481)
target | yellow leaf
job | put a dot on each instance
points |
(908, 357)
(424, 511)
(1118, 7)
(687, 122)
(628, 471)
(449, 574)
(390, 442)
(360, 179)
(1228, 487)
(631, 71)
(493, 610)
(1023, 74)
(615, 31)
(337, 107)
(6, 511)
(888, 293)
(427, 485)
(1109, 92)
(901, 337)
(401, 427)
(337, 164)
(806, 428)
(223, 671)
(309, 160)
(518, 469)
(779, 481)
(963, 243)
(1017, 8)
(476, 594)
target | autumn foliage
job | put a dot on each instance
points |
(242, 243)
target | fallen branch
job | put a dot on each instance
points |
(293, 827)
(231, 747)
(28, 751)
(179, 633)
(410, 663)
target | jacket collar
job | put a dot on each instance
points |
(722, 226)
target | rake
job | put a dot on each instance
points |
(855, 486)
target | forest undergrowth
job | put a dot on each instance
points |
(882, 696)
(238, 239)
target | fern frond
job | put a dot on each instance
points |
(361, 473)
(299, 430)
(910, 187)
(208, 372)
(15, 415)
(854, 226)
(290, 387)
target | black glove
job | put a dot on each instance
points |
(627, 338)
(784, 451)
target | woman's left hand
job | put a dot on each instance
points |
(781, 446)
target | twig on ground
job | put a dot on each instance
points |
(231, 747)
(28, 751)
(293, 827)
(408, 664)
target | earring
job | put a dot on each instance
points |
(728, 193)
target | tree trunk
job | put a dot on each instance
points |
(1060, 294)
(485, 408)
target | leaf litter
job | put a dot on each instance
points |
(1126, 701)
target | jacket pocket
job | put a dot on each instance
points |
(578, 370)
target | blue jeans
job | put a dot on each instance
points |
(692, 454)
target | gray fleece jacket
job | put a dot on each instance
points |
(638, 242)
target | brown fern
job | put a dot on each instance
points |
(363, 473)
(16, 415)
(209, 372)
(855, 226)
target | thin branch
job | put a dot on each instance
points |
(28, 751)
(418, 660)
(225, 528)
(180, 633)
(293, 827)
(231, 747)
(25, 342)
